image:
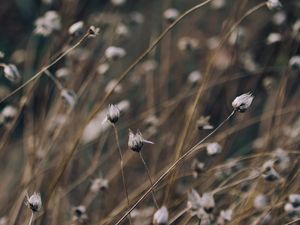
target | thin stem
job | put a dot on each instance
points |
(173, 166)
(38, 74)
(149, 176)
(122, 168)
(31, 218)
(54, 79)
(178, 215)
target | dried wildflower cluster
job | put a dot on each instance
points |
(150, 112)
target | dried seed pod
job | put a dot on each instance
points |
(76, 28)
(161, 216)
(114, 53)
(93, 31)
(294, 63)
(294, 199)
(203, 123)
(171, 15)
(69, 96)
(213, 148)
(113, 113)
(242, 102)
(274, 4)
(136, 141)
(99, 184)
(34, 202)
(11, 73)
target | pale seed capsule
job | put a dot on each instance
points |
(213, 148)
(113, 113)
(274, 4)
(294, 62)
(11, 73)
(114, 53)
(161, 216)
(171, 15)
(76, 28)
(136, 141)
(69, 96)
(34, 202)
(242, 102)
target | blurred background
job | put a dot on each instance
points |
(62, 62)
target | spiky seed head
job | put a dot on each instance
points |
(242, 102)
(161, 216)
(113, 113)
(34, 202)
(135, 141)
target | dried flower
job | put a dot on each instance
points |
(76, 28)
(198, 167)
(171, 14)
(114, 53)
(260, 202)
(69, 96)
(208, 202)
(242, 102)
(79, 215)
(274, 4)
(161, 216)
(103, 68)
(268, 171)
(273, 38)
(194, 77)
(294, 62)
(218, 4)
(136, 141)
(188, 44)
(213, 148)
(48, 23)
(194, 201)
(11, 73)
(34, 202)
(225, 216)
(63, 73)
(281, 159)
(99, 184)
(203, 123)
(113, 113)
(294, 199)
(8, 113)
(279, 18)
(93, 31)
(118, 2)
(137, 17)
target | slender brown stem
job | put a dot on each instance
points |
(31, 218)
(38, 74)
(172, 167)
(122, 169)
(150, 179)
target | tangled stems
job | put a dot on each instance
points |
(173, 166)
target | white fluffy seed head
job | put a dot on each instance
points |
(161, 216)
(34, 202)
(242, 102)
